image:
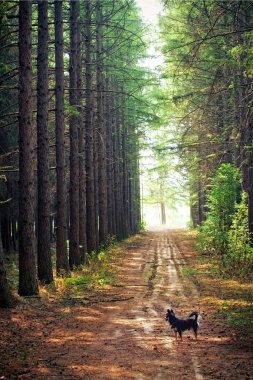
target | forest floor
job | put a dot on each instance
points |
(119, 330)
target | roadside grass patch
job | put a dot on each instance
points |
(189, 272)
(230, 300)
(96, 275)
(98, 272)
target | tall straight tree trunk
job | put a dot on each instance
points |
(113, 159)
(102, 178)
(250, 176)
(118, 169)
(90, 191)
(95, 166)
(163, 213)
(81, 142)
(125, 170)
(131, 182)
(62, 263)
(134, 184)
(45, 271)
(28, 284)
(137, 195)
(5, 294)
(74, 253)
(109, 158)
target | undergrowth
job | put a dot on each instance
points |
(224, 233)
(98, 272)
(230, 298)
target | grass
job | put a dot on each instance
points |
(189, 272)
(230, 299)
(98, 272)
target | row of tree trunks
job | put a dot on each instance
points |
(103, 166)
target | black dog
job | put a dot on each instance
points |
(180, 325)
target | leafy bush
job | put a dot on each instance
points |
(239, 260)
(222, 198)
(225, 230)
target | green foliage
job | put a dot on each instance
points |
(98, 270)
(223, 197)
(225, 230)
(142, 226)
(208, 56)
(239, 259)
(71, 110)
(111, 242)
(189, 272)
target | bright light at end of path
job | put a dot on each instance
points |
(177, 217)
(150, 9)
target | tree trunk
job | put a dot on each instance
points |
(95, 168)
(28, 284)
(14, 234)
(163, 213)
(90, 191)
(118, 171)
(62, 264)
(82, 155)
(45, 271)
(5, 294)
(109, 160)
(102, 178)
(125, 170)
(74, 253)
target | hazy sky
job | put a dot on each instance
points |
(150, 9)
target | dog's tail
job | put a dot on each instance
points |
(194, 314)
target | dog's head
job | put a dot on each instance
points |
(170, 313)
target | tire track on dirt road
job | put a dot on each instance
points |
(148, 349)
(120, 333)
(165, 289)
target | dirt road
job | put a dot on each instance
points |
(124, 335)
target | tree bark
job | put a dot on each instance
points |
(90, 191)
(102, 178)
(118, 170)
(82, 154)
(62, 263)
(109, 160)
(74, 253)
(6, 298)
(28, 284)
(45, 271)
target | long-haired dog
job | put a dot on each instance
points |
(180, 325)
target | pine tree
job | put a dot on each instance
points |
(62, 264)
(45, 271)
(27, 260)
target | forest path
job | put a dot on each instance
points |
(123, 334)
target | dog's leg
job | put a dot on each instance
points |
(180, 334)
